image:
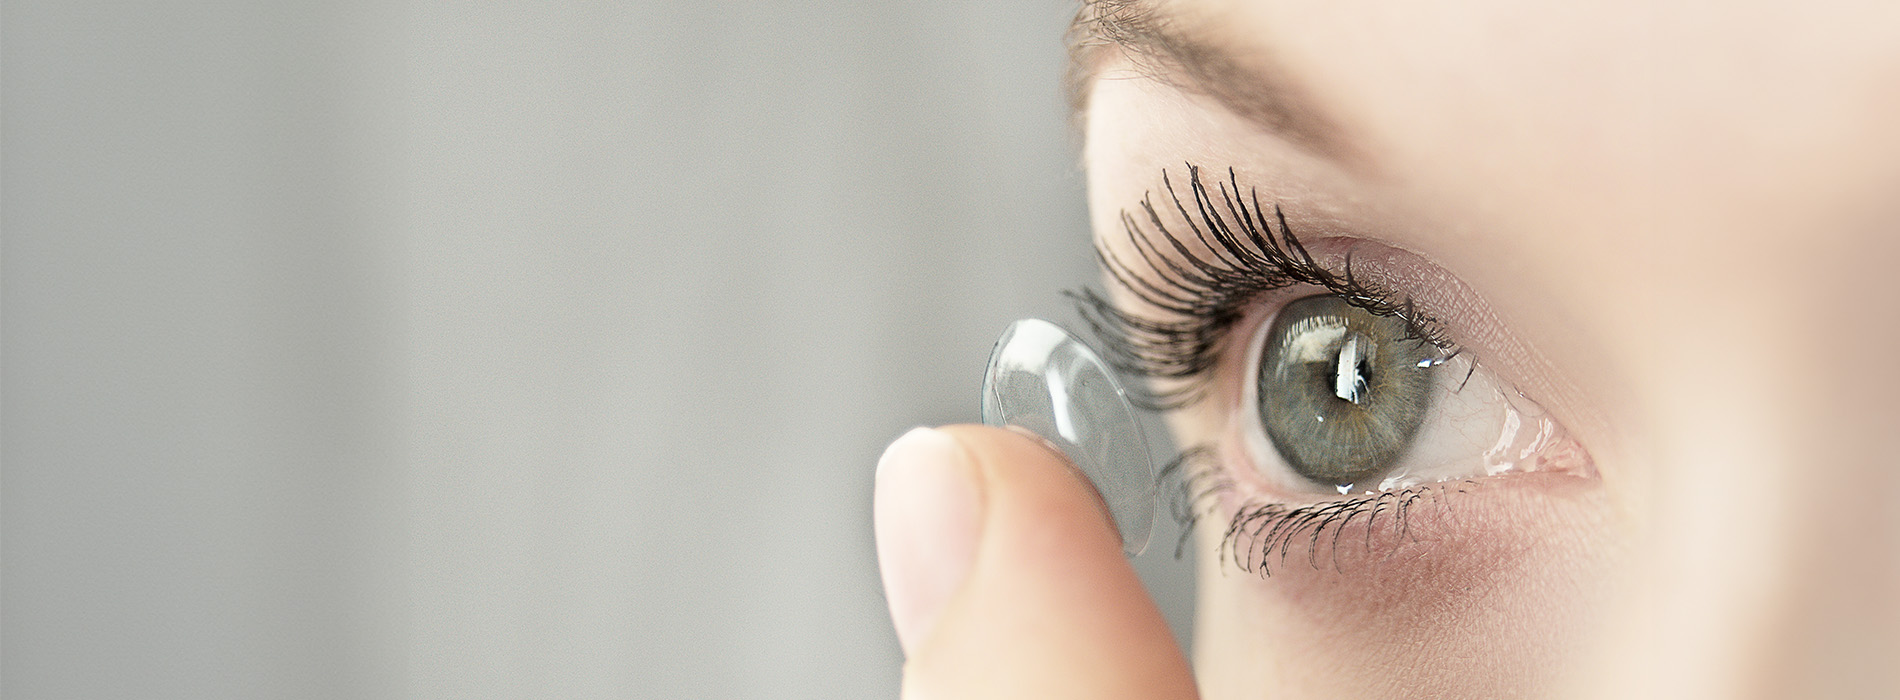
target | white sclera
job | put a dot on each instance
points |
(1044, 379)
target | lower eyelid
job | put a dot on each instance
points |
(1439, 532)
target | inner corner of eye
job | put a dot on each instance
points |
(1349, 401)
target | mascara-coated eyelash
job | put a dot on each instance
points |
(1201, 296)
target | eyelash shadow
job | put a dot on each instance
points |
(1261, 535)
(1204, 295)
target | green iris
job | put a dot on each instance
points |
(1342, 391)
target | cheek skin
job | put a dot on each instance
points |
(1484, 593)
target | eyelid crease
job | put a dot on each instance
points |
(1199, 297)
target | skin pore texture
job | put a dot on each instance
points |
(1635, 215)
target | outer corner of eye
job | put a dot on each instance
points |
(1341, 400)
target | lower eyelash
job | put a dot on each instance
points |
(1261, 535)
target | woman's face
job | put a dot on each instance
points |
(1656, 234)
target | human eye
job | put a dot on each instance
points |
(1340, 388)
(1338, 398)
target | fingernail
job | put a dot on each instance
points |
(926, 512)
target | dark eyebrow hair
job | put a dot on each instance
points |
(1164, 50)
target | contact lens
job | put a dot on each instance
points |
(1047, 381)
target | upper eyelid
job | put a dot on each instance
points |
(1183, 341)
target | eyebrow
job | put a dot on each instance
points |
(1260, 92)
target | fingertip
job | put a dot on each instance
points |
(1016, 455)
(1050, 607)
(927, 517)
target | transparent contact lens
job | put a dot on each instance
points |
(1045, 380)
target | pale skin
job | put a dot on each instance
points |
(1670, 225)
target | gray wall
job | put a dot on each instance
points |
(427, 349)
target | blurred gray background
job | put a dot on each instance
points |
(445, 350)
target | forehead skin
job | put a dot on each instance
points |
(1689, 208)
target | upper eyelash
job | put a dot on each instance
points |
(1206, 295)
